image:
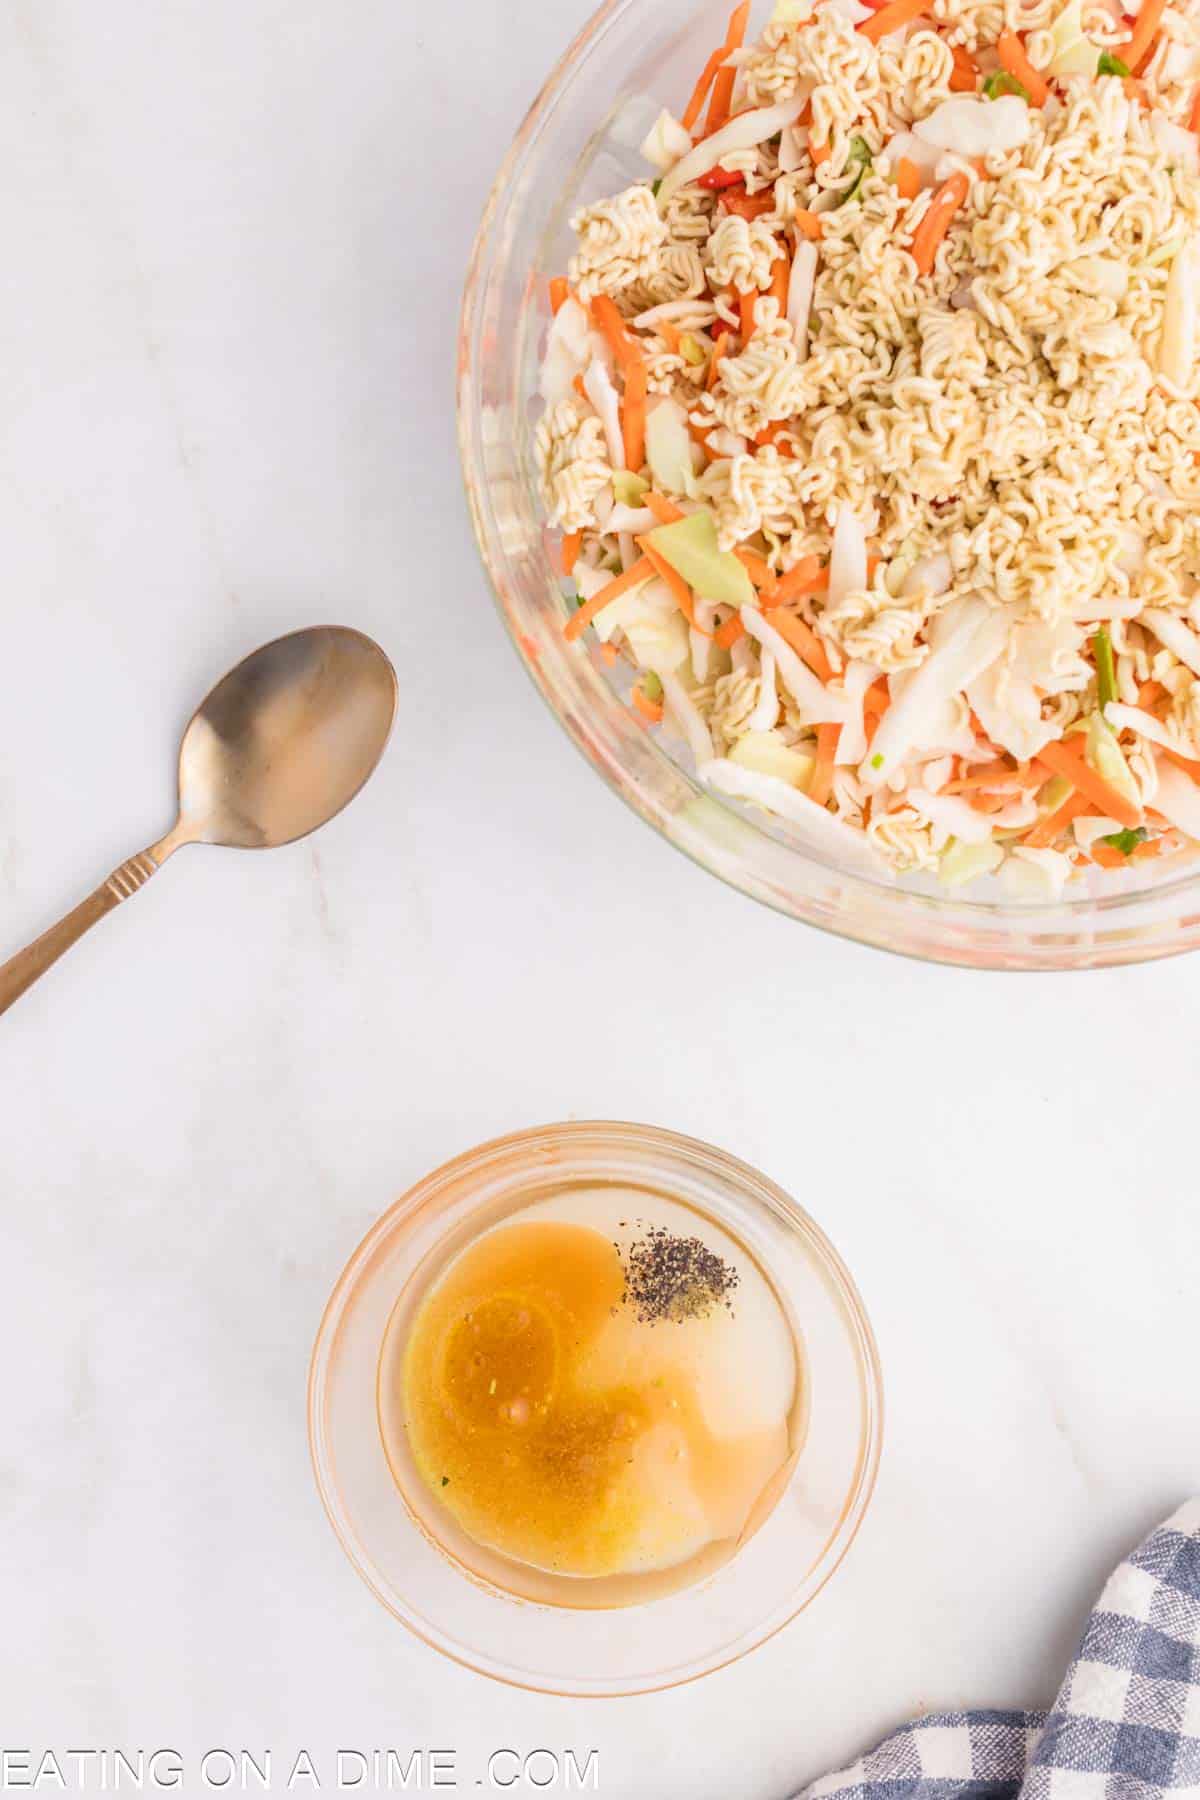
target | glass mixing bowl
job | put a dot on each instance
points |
(410, 1555)
(578, 143)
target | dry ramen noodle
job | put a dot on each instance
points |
(871, 429)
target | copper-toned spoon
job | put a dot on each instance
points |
(280, 745)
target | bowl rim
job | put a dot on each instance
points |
(652, 1141)
(1060, 936)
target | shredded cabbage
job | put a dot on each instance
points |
(847, 557)
(950, 817)
(666, 141)
(826, 834)
(972, 127)
(766, 752)
(669, 447)
(817, 704)
(687, 716)
(745, 132)
(1178, 798)
(961, 862)
(800, 293)
(968, 637)
(1104, 754)
(690, 546)
(1171, 630)
(1074, 54)
(1177, 348)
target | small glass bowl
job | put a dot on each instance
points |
(658, 1643)
(578, 143)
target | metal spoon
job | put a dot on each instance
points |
(280, 745)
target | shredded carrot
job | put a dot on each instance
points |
(1185, 763)
(746, 304)
(876, 700)
(748, 206)
(728, 634)
(1047, 830)
(781, 270)
(669, 334)
(651, 710)
(609, 655)
(620, 584)
(572, 544)
(695, 105)
(1194, 117)
(1133, 88)
(722, 91)
(965, 76)
(808, 224)
(633, 415)
(890, 18)
(664, 510)
(715, 360)
(804, 642)
(821, 785)
(1140, 45)
(936, 222)
(559, 292)
(908, 179)
(1109, 857)
(804, 577)
(1070, 764)
(681, 593)
(1150, 693)
(1011, 52)
(772, 434)
(819, 153)
(577, 384)
(756, 568)
(609, 321)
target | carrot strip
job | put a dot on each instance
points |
(908, 179)
(771, 434)
(809, 225)
(620, 584)
(1068, 763)
(1011, 52)
(1140, 45)
(1047, 830)
(651, 710)
(669, 334)
(756, 568)
(877, 699)
(805, 577)
(728, 634)
(714, 364)
(681, 593)
(821, 785)
(804, 642)
(890, 18)
(819, 153)
(1149, 694)
(781, 271)
(559, 292)
(572, 544)
(695, 105)
(722, 92)
(965, 78)
(936, 223)
(610, 323)
(746, 304)
(1194, 117)
(663, 509)
(633, 415)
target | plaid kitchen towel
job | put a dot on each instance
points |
(1125, 1725)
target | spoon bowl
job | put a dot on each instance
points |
(286, 739)
(281, 744)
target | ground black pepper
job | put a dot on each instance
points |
(671, 1279)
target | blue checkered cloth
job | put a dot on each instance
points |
(1125, 1725)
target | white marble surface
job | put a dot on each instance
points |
(226, 327)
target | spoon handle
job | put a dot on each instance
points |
(22, 970)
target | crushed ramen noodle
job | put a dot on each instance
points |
(872, 427)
